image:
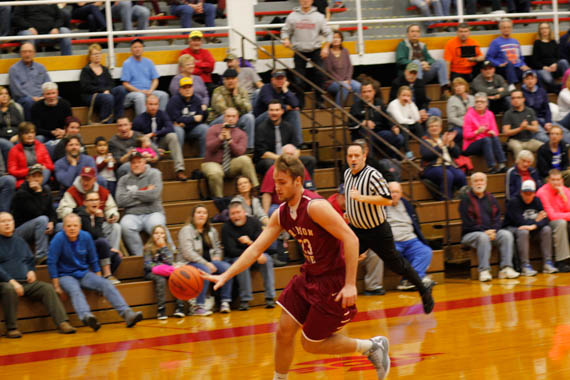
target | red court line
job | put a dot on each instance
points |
(104, 348)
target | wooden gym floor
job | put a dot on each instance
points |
(506, 329)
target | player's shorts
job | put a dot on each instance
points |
(310, 300)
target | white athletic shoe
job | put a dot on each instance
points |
(528, 271)
(549, 268)
(378, 356)
(485, 276)
(508, 272)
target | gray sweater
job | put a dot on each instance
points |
(191, 248)
(479, 84)
(304, 29)
(131, 196)
(255, 210)
(457, 108)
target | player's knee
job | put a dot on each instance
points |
(285, 334)
(310, 347)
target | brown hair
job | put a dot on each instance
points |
(207, 225)
(550, 35)
(149, 246)
(462, 81)
(290, 165)
(402, 89)
(25, 127)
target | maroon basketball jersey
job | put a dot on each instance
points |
(323, 252)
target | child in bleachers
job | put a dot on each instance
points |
(144, 147)
(105, 163)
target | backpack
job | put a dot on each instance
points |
(198, 175)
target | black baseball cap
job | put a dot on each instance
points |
(230, 73)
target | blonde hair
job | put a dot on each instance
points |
(92, 48)
(462, 81)
(150, 246)
(184, 59)
(550, 35)
(402, 89)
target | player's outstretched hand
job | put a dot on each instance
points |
(347, 296)
(218, 280)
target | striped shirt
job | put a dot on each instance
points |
(368, 181)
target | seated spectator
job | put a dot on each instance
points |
(11, 115)
(238, 233)
(5, 20)
(526, 219)
(225, 154)
(423, 6)
(555, 200)
(186, 70)
(186, 111)
(122, 144)
(231, 95)
(271, 136)
(73, 264)
(140, 193)
(28, 152)
(140, 79)
(546, 58)
(49, 114)
(7, 187)
(481, 227)
(158, 261)
(408, 237)
(42, 19)
(92, 221)
(407, 115)
(69, 167)
(250, 202)
(564, 106)
(279, 89)
(412, 50)
(106, 163)
(201, 247)
(98, 88)
(553, 155)
(143, 145)
(518, 6)
(434, 165)
(26, 79)
(536, 98)
(457, 106)
(156, 125)
(247, 77)
(204, 62)
(72, 128)
(506, 55)
(18, 279)
(339, 66)
(521, 126)
(480, 135)
(127, 12)
(91, 13)
(494, 86)
(462, 54)
(33, 212)
(186, 9)
(522, 171)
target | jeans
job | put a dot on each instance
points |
(5, 18)
(110, 106)
(94, 16)
(105, 255)
(455, 178)
(26, 102)
(244, 279)
(5, 146)
(226, 291)
(246, 123)
(438, 68)
(72, 286)
(34, 230)
(293, 117)
(185, 12)
(482, 243)
(132, 225)
(7, 190)
(64, 43)
(425, 11)
(511, 73)
(138, 100)
(198, 132)
(398, 141)
(417, 253)
(126, 11)
(491, 149)
(518, 6)
(341, 91)
(547, 78)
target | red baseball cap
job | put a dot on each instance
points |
(88, 172)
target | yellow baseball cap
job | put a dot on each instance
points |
(196, 34)
(185, 81)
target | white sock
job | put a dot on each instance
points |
(280, 376)
(363, 346)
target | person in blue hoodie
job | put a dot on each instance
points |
(536, 98)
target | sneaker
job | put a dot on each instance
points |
(549, 268)
(427, 281)
(133, 318)
(13, 334)
(244, 306)
(161, 314)
(528, 271)
(225, 307)
(269, 304)
(405, 285)
(199, 311)
(563, 266)
(427, 299)
(114, 280)
(66, 328)
(378, 356)
(410, 155)
(92, 322)
(485, 276)
(511, 87)
(508, 272)
(179, 313)
(502, 168)
(376, 292)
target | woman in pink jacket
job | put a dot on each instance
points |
(480, 135)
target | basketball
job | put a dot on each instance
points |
(185, 283)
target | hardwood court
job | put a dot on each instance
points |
(507, 329)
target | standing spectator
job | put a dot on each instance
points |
(225, 154)
(26, 79)
(98, 88)
(140, 193)
(494, 86)
(73, 264)
(526, 219)
(412, 50)
(127, 12)
(69, 167)
(185, 9)
(339, 66)
(461, 54)
(42, 19)
(156, 126)
(553, 155)
(186, 65)
(234, 96)
(480, 135)
(238, 233)
(122, 144)
(457, 106)
(506, 55)
(406, 114)
(33, 212)
(247, 77)
(186, 111)
(49, 114)
(251, 203)
(140, 78)
(7, 187)
(481, 228)
(546, 58)
(11, 115)
(536, 98)
(204, 62)
(18, 279)
(521, 172)
(28, 152)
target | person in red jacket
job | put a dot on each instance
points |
(204, 61)
(28, 152)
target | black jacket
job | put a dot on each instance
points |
(230, 234)
(362, 112)
(265, 137)
(544, 158)
(41, 17)
(90, 83)
(95, 231)
(28, 205)
(519, 213)
(418, 91)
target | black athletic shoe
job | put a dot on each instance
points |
(92, 322)
(427, 299)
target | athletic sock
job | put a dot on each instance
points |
(363, 346)
(280, 376)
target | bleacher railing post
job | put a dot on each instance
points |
(360, 32)
(460, 10)
(112, 61)
(556, 22)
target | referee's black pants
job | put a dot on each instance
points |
(380, 240)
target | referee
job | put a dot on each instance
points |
(366, 195)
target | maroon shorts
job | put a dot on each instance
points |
(311, 302)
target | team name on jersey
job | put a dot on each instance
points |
(300, 231)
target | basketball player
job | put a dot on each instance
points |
(321, 299)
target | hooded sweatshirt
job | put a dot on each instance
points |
(304, 29)
(133, 194)
(75, 196)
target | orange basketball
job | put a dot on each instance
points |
(185, 283)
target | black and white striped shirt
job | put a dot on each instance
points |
(368, 181)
